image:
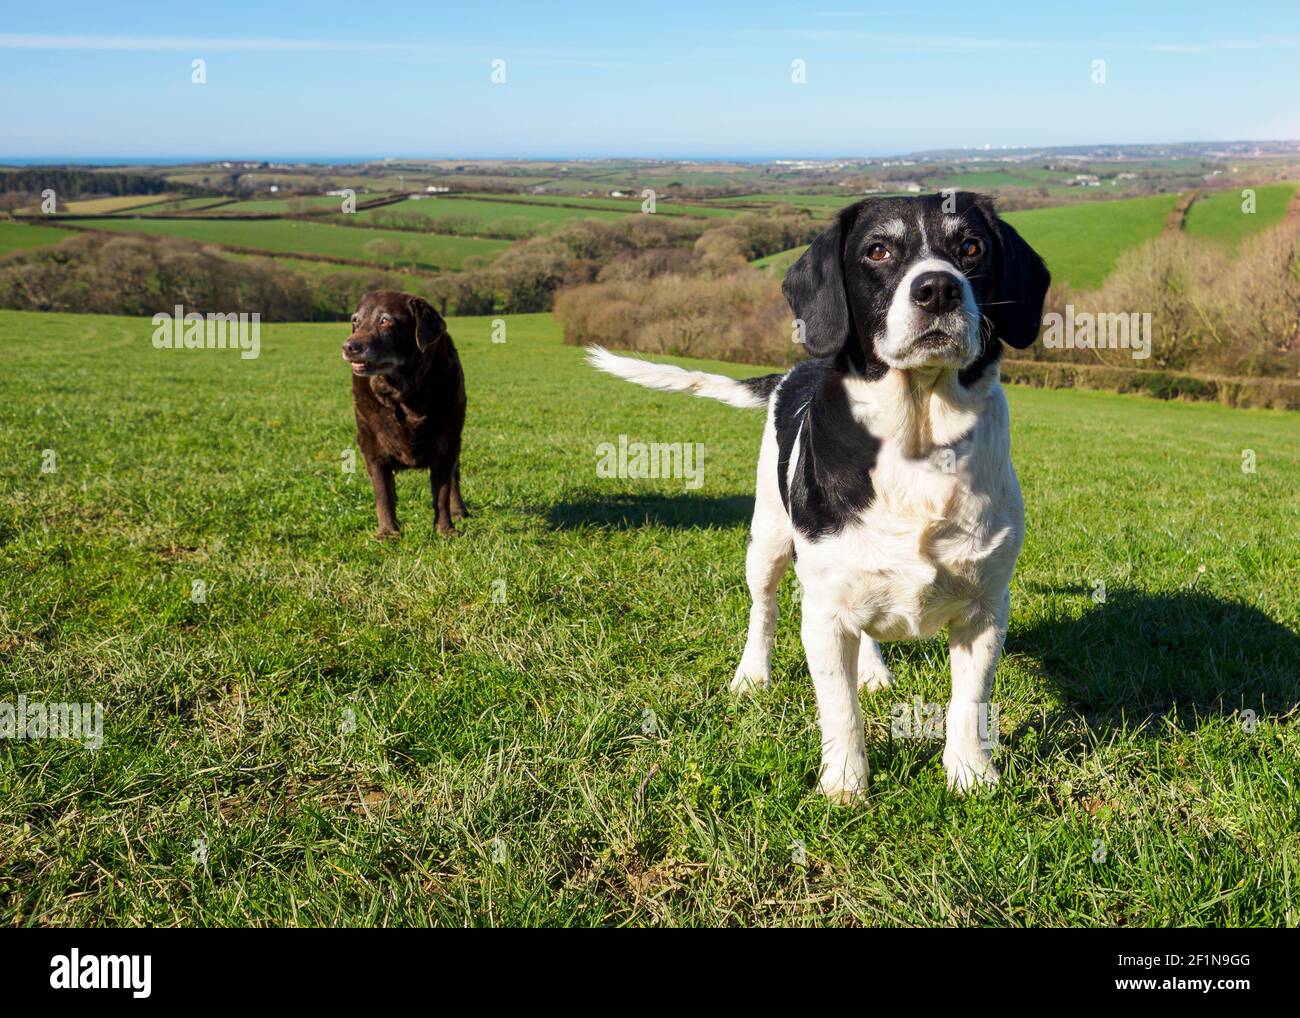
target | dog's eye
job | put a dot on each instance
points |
(970, 247)
(877, 252)
(385, 319)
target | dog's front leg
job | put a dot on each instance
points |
(458, 510)
(381, 479)
(440, 488)
(832, 651)
(974, 645)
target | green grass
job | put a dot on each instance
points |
(363, 733)
(493, 215)
(1219, 216)
(182, 205)
(297, 237)
(275, 206)
(817, 203)
(19, 236)
(1081, 243)
(627, 206)
(780, 262)
(116, 203)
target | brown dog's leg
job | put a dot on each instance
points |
(458, 510)
(381, 479)
(440, 486)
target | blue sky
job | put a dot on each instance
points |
(670, 79)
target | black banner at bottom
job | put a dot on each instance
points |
(142, 968)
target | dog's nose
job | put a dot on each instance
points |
(353, 348)
(936, 292)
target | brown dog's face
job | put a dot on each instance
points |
(389, 331)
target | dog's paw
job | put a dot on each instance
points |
(844, 778)
(839, 796)
(387, 534)
(876, 679)
(447, 531)
(844, 793)
(748, 681)
(969, 771)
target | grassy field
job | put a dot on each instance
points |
(493, 215)
(820, 204)
(628, 206)
(122, 203)
(1219, 215)
(1079, 242)
(290, 237)
(780, 262)
(532, 725)
(277, 206)
(17, 236)
(183, 205)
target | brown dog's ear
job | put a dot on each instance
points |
(429, 326)
(814, 288)
(1022, 281)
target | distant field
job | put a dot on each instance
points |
(429, 251)
(489, 215)
(179, 205)
(985, 180)
(276, 206)
(102, 206)
(1219, 216)
(1082, 242)
(18, 236)
(626, 205)
(1079, 242)
(818, 204)
(1055, 182)
(781, 261)
(827, 203)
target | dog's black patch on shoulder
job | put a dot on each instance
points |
(831, 482)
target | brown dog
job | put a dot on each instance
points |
(409, 394)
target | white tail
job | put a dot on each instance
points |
(743, 393)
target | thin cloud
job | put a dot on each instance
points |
(198, 44)
(132, 43)
(907, 41)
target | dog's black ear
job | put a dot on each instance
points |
(814, 288)
(1017, 307)
(429, 326)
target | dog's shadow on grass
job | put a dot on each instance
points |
(1180, 657)
(630, 512)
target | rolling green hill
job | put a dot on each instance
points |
(1219, 216)
(18, 236)
(1079, 242)
(514, 216)
(426, 251)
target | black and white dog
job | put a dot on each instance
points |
(885, 466)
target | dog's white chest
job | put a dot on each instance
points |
(942, 533)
